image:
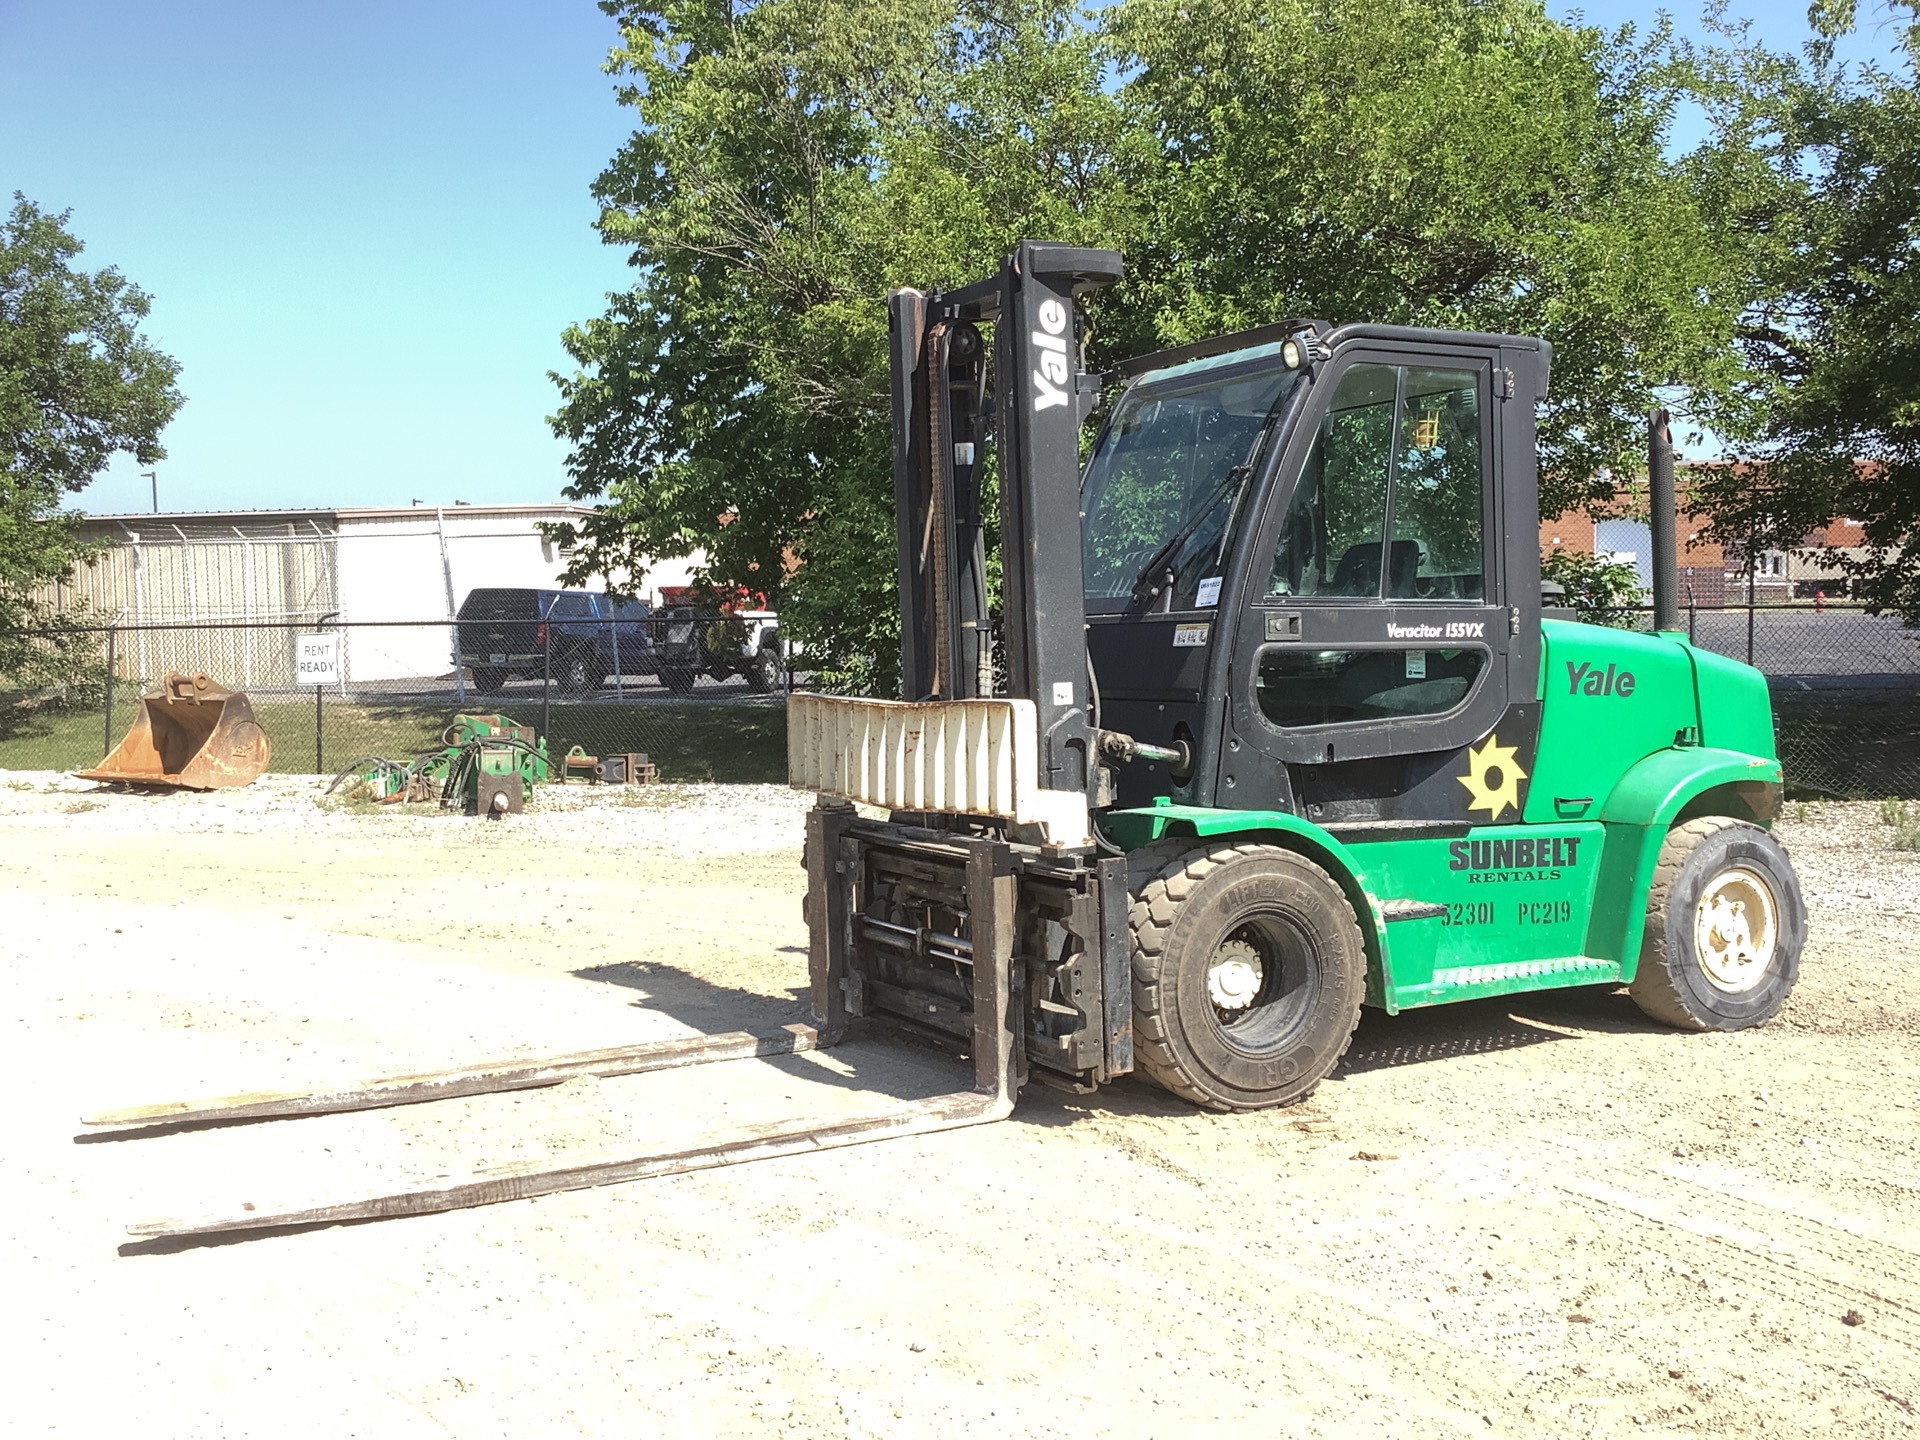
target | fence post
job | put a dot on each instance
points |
(107, 729)
(1752, 565)
(546, 678)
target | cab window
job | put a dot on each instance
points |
(1389, 503)
(1437, 527)
(1327, 687)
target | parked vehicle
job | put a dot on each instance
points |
(576, 637)
(700, 632)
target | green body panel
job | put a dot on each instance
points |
(1517, 900)
(1736, 713)
(1609, 699)
(1559, 899)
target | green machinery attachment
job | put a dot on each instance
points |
(487, 763)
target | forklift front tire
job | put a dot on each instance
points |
(1725, 925)
(1248, 971)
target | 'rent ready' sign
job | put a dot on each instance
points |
(316, 659)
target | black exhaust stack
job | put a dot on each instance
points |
(1660, 499)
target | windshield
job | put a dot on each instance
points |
(1165, 471)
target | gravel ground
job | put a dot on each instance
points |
(1544, 1217)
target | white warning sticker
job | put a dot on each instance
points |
(1208, 594)
(1190, 634)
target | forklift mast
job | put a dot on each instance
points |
(1040, 398)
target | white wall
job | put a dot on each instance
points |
(391, 569)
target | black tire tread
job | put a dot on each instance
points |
(1160, 877)
(1653, 989)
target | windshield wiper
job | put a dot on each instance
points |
(1147, 583)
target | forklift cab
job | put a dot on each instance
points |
(1310, 558)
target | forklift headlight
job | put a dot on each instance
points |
(1299, 351)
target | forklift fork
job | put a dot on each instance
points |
(832, 862)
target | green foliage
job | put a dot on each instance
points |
(1469, 163)
(1822, 167)
(1473, 165)
(1600, 592)
(794, 160)
(78, 384)
(1893, 811)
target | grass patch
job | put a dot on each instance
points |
(691, 742)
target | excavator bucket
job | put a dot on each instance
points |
(192, 733)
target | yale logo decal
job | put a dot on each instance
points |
(1585, 680)
(1050, 345)
(1493, 778)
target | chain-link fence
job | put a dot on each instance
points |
(682, 690)
(703, 702)
(1845, 687)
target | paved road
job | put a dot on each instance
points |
(1807, 642)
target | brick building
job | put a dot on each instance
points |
(1710, 573)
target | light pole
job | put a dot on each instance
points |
(155, 479)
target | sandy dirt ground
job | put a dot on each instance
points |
(1549, 1218)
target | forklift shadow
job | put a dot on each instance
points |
(700, 1003)
(1486, 1027)
(1388, 1042)
(887, 1064)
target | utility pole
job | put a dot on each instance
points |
(154, 479)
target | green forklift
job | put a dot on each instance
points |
(1288, 726)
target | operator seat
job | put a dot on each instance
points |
(1358, 572)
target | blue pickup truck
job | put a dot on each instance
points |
(577, 637)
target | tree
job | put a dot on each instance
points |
(794, 159)
(78, 384)
(1832, 216)
(1598, 590)
(1468, 163)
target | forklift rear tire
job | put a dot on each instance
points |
(679, 679)
(1248, 971)
(1725, 926)
(489, 681)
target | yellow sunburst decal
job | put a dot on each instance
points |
(1493, 778)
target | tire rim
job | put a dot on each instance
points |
(1233, 979)
(1735, 928)
(1262, 985)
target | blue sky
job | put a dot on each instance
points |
(364, 225)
